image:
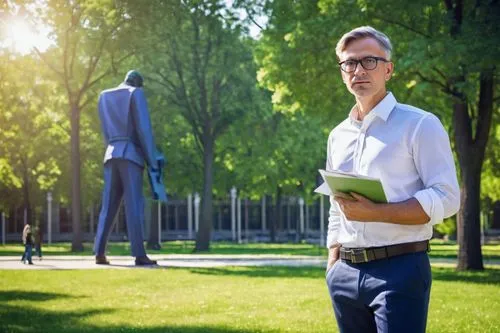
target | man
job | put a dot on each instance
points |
(129, 140)
(378, 271)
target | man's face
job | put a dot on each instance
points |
(363, 82)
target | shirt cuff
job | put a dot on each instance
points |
(431, 204)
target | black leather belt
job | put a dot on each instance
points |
(361, 255)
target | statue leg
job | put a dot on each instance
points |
(111, 198)
(134, 206)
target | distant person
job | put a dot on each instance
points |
(378, 272)
(28, 244)
(38, 242)
(129, 143)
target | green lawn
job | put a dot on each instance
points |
(180, 247)
(229, 300)
(440, 249)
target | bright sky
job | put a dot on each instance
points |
(18, 35)
(21, 36)
(254, 30)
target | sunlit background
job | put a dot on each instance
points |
(22, 37)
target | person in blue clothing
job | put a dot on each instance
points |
(129, 142)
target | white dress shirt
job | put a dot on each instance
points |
(409, 151)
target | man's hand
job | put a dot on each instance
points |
(359, 209)
(333, 256)
(408, 212)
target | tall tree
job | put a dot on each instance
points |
(440, 62)
(32, 140)
(87, 48)
(193, 52)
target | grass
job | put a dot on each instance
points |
(179, 247)
(440, 249)
(221, 300)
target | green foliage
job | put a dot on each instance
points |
(447, 227)
(278, 99)
(490, 177)
(32, 140)
(274, 150)
(298, 62)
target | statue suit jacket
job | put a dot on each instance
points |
(126, 125)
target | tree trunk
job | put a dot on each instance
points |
(468, 226)
(270, 218)
(495, 224)
(26, 194)
(276, 216)
(76, 204)
(246, 220)
(279, 212)
(153, 243)
(470, 148)
(205, 227)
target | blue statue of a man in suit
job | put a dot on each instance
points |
(128, 137)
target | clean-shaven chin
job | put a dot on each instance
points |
(360, 86)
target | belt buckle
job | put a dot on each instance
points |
(359, 253)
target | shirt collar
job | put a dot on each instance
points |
(382, 110)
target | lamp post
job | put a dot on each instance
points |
(159, 222)
(3, 228)
(190, 215)
(233, 213)
(238, 213)
(301, 208)
(49, 217)
(196, 211)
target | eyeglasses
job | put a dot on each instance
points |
(368, 63)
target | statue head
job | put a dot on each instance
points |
(134, 79)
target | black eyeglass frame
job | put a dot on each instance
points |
(360, 61)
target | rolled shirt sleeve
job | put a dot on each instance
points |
(440, 197)
(333, 224)
(334, 213)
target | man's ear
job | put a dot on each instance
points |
(389, 69)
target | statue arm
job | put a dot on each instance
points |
(143, 127)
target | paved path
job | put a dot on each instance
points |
(125, 262)
(121, 262)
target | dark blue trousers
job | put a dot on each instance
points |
(27, 252)
(388, 295)
(122, 179)
(38, 250)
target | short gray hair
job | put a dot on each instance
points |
(364, 32)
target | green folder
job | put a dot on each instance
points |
(341, 184)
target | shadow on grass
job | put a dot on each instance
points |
(21, 295)
(446, 255)
(264, 271)
(27, 318)
(488, 276)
